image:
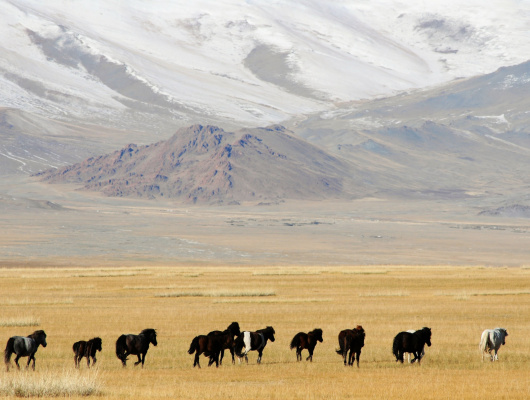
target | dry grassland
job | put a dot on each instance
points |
(456, 302)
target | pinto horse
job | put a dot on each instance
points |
(86, 349)
(199, 344)
(306, 341)
(24, 347)
(406, 342)
(491, 340)
(351, 340)
(253, 341)
(135, 344)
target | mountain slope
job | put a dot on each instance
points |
(157, 65)
(207, 164)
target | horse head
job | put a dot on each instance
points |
(234, 328)
(39, 337)
(270, 333)
(97, 342)
(427, 335)
(151, 335)
(317, 333)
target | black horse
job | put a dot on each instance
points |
(199, 344)
(406, 342)
(86, 349)
(351, 340)
(306, 341)
(24, 347)
(135, 344)
(253, 341)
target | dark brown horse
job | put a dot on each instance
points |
(253, 341)
(234, 329)
(406, 342)
(216, 344)
(306, 341)
(135, 344)
(199, 344)
(351, 340)
(86, 349)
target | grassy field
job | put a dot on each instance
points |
(457, 303)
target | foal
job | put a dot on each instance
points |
(86, 349)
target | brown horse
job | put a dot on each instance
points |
(199, 344)
(306, 341)
(86, 349)
(351, 340)
(135, 344)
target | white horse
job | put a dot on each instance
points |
(492, 339)
(422, 352)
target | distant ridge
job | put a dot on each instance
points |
(206, 164)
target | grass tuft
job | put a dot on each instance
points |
(245, 293)
(50, 384)
(21, 321)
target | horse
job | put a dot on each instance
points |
(253, 341)
(306, 341)
(422, 352)
(491, 340)
(351, 340)
(216, 344)
(86, 349)
(135, 344)
(236, 331)
(199, 344)
(24, 347)
(406, 342)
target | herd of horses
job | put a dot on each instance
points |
(213, 345)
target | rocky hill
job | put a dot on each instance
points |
(206, 164)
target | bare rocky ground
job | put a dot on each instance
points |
(57, 225)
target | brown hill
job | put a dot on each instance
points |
(207, 164)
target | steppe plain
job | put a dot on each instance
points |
(180, 302)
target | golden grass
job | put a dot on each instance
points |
(456, 302)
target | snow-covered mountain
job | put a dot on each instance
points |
(154, 66)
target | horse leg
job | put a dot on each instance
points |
(222, 355)
(88, 361)
(298, 354)
(94, 359)
(351, 358)
(358, 356)
(139, 359)
(260, 352)
(232, 353)
(196, 360)
(16, 361)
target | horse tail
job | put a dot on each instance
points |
(483, 346)
(295, 342)
(340, 350)
(238, 346)
(121, 347)
(10, 348)
(194, 346)
(395, 346)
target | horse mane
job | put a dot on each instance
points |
(148, 332)
(316, 332)
(96, 340)
(37, 334)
